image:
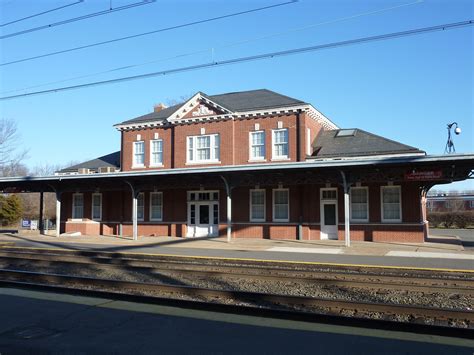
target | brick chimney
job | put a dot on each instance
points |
(159, 107)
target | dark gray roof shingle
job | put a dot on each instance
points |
(109, 160)
(253, 100)
(328, 145)
(233, 101)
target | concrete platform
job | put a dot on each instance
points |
(446, 253)
(48, 323)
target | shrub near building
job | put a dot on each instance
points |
(451, 219)
(10, 209)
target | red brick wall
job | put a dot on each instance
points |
(234, 140)
(304, 208)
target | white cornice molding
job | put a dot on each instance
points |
(321, 119)
(177, 117)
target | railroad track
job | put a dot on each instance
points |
(391, 312)
(333, 278)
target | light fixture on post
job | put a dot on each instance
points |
(449, 144)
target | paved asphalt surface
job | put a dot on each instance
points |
(466, 235)
(266, 255)
(59, 324)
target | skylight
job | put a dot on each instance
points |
(345, 132)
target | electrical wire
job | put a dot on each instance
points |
(152, 32)
(80, 18)
(225, 45)
(41, 13)
(257, 57)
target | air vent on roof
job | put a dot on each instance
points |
(106, 169)
(346, 133)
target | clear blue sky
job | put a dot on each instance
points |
(405, 89)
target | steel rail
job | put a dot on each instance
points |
(323, 279)
(119, 257)
(230, 265)
(249, 299)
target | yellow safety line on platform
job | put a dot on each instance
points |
(261, 260)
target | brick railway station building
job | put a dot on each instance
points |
(254, 164)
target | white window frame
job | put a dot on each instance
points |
(471, 204)
(280, 157)
(100, 207)
(264, 206)
(213, 146)
(134, 162)
(273, 206)
(73, 206)
(382, 188)
(251, 157)
(161, 206)
(138, 207)
(152, 164)
(350, 203)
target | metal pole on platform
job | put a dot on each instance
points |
(41, 206)
(134, 211)
(229, 209)
(347, 226)
(58, 213)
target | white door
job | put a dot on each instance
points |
(203, 219)
(329, 213)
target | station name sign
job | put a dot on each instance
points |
(424, 175)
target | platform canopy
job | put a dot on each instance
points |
(427, 170)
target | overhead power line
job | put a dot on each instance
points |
(271, 55)
(41, 13)
(224, 45)
(80, 18)
(152, 32)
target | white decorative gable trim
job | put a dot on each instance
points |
(191, 104)
(204, 114)
(320, 118)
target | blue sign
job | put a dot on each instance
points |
(25, 223)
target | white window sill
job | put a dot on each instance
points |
(203, 162)
(257, 220)
(359, 220)
(156, 220)
(281, 159)
(156, 166)
(391, 221)
(256, 160)
(138, 166)
(281, 220)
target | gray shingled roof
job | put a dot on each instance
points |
(109, 160)
(362, 143)
(155, 116)
(233, 101)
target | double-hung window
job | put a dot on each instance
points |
(257, 145)
(97, 207)
(281, 205)
(203, 149)
(156, 152)
(391, 204)
(280, 144)
(77, 206)
(359, 204)
(257, 205)
(141, 206)
(156, 206)
(139, 154)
